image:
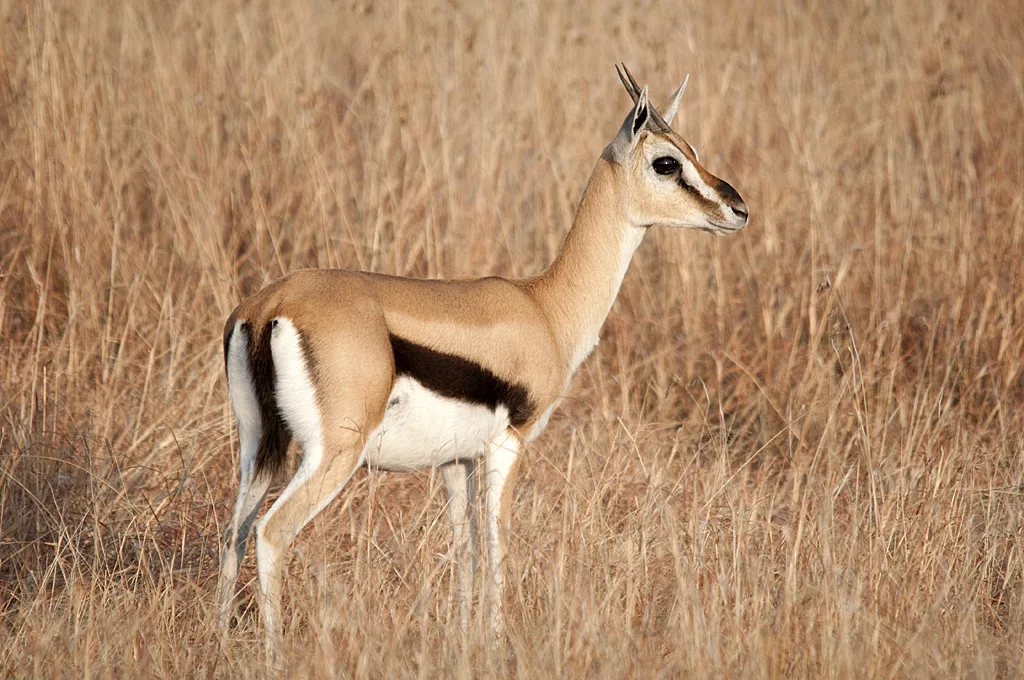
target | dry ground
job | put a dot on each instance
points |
(796, 453)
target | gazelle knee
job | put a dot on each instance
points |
(268, 546)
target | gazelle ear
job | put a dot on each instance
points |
(637, 120)
(673, 107)
(638, 117)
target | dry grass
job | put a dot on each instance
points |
(797, 452)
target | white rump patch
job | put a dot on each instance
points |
(423, 429)
(295, 394)
(242, 393)
(240, 386)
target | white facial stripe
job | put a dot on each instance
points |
(692, 177)
(693, 151)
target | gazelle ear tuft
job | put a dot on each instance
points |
(673, 106)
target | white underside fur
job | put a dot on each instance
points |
(423, 429)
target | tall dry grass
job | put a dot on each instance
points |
(796, 453)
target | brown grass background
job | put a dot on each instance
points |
(796, 453)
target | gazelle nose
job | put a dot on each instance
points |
(732, 198)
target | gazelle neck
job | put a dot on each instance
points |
(578, 289)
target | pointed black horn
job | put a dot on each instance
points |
(627, 81)
(656, 123)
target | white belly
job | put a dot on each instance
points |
(423, 429)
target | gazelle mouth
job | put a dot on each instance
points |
(719, 229)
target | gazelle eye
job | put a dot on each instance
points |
(665, 165)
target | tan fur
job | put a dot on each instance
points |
(532, 332)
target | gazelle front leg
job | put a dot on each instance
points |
(502, 465)
(458, 482)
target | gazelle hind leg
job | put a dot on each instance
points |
(502, 464)
(458, 482)
(310, 490)
(252, 488)
(332, 438)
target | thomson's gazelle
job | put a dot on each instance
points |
(404, 374)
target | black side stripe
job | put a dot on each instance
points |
(309, 356)
(274, 435)
(458, 378)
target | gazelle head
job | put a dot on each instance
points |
(664, 181)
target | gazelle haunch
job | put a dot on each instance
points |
(404, 374)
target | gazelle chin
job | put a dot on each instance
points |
(404, 374)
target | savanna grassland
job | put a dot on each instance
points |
(797, 451)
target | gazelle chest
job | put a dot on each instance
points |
(422, 428)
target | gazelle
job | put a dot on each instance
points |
(404, 374)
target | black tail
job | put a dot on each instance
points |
(275, 435)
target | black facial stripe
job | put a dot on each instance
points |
(685, 184)
(458, 378)
(707, 205)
